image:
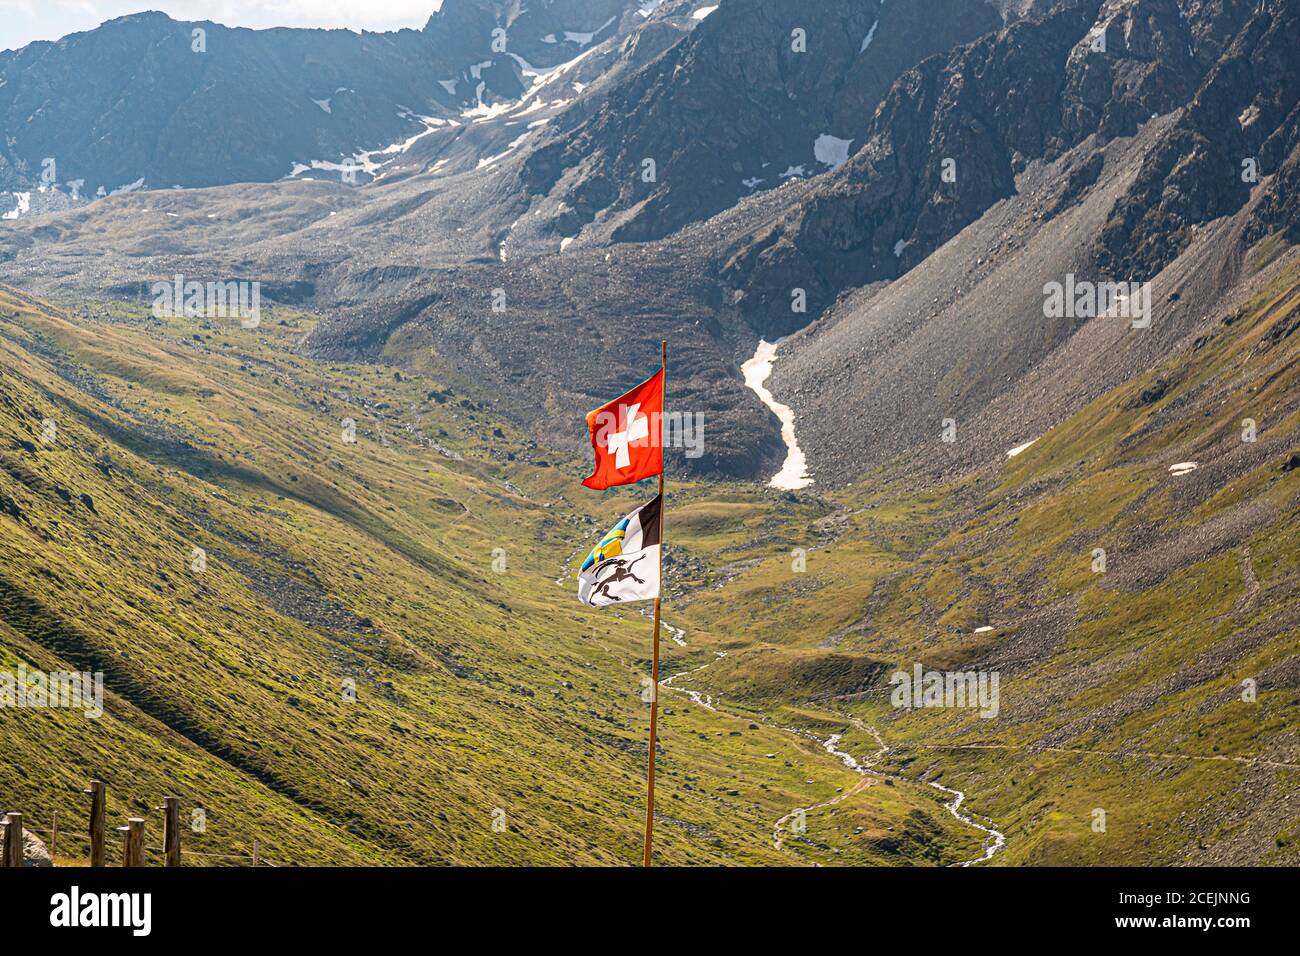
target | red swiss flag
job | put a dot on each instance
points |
(627, 436)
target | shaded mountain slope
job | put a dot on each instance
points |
(123, 104)
(149, 92)
(757, 93)
(953, 134)
(964, 336)
(1243, 124)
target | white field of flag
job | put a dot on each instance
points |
(625, 565)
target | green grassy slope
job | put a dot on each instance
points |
(1121, 691)
(372, 562)
(332, 564)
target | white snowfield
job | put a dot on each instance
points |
(831, 150)
(582, 39)
(794, 472)
(365, 162)
(871, 35)
(23, 208)
(371, 162)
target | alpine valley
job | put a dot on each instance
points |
(990, 312)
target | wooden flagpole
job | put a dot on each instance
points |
(654, 667)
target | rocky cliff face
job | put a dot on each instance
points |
(953, 133)
(757, 95)
(1098, 185)
(542, 34)
(1241, 127)
(942, 148)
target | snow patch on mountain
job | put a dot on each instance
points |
(24, 206)
(489, 160)
(794, 472)
(831, 150)
(582, 39)
(871, 35)
(365, 161)
(539, 79)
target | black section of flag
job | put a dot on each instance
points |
(649, 516)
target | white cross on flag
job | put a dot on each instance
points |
(627, 436)
(635, 428)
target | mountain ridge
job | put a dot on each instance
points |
(261, 100)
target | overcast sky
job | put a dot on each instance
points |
(22, 21)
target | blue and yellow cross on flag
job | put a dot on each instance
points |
(624, 566)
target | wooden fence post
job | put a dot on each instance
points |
(132, 842)
(13, 851)
(98, 797)
(254, 851)
(54, 834)
(171, 809)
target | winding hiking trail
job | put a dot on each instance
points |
(1119, 754)
(994, 841)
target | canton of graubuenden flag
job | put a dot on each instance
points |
(625, 565)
